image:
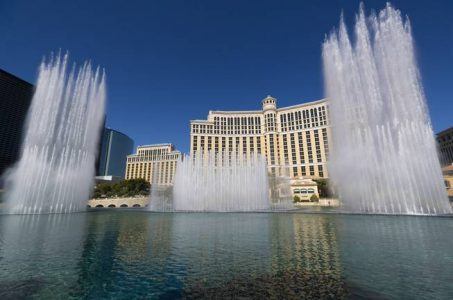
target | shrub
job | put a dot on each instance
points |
(296, 199)
(314, 198)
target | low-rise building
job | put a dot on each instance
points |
(304, 189)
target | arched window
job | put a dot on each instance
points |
(447, 183)
(136, 205)
(99, 205)
(112, 205)
(311, 191)
(123, 205)
(303, 191)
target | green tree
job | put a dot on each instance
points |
(323, 188)
(124, 188)
(296, 199)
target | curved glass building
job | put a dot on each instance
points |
(115, 147)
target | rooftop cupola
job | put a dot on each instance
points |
(269, 103)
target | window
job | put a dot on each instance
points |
(320, 171)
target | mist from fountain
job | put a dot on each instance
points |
(384, 157)
(56, 168)
(218, 183)
(222, 182)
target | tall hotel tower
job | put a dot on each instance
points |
(295, 137)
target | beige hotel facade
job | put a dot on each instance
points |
(294, 138)
(155, 163)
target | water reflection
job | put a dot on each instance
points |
(97, 265)
(388, 257)
(39, 254)
(129, 254)
(305, 256)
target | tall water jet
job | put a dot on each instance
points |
(56, 168)
(221, 182)
(384, 157)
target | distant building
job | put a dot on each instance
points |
(15, 99)
(155, 163)
(445, 141)
(447, 172)
(295, 137)
(115, 147)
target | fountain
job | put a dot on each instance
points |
(55, 171)
(384, 156)
(222, 182)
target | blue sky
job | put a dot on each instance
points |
(170, 61)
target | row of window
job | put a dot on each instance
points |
(309, 172)
(300, 170)
(153, 157)
(290, 121)
(302, 119)
(294, 151)
(445, 138)
(154, 172)
(446, 155)
(304, 191)
(206, 143)
(269, 122)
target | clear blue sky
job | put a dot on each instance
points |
(168, 61)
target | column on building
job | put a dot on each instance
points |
(271, 136)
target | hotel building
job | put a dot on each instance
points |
(295, 137)
(445, 142)
(155, 163)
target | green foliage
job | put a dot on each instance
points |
(323, 188)
(124, 188)
(314, 198)
(296, 199)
